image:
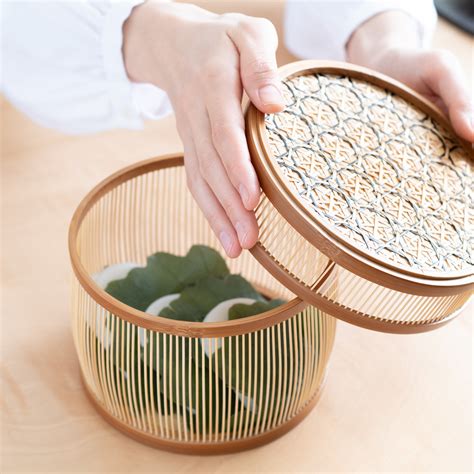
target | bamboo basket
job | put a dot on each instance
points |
(164, 390)
(368, 206)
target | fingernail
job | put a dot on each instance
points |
(270, 95)
(226, 241)
(242, 233)
(244, 194)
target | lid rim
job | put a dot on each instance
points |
(363, 263)
(347, 314)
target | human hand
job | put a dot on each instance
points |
(204, 62)
(436, 75)
(389, 43)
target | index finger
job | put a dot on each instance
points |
(223, 103)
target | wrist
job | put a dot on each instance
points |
(388, 59)
(382, 37)
(142, 45)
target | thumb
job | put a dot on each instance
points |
(256, 40)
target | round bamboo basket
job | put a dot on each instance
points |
(368, 199)
(148, 375)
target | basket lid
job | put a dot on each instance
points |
(372, 175)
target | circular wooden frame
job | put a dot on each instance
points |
(337, 248)
(157, 323)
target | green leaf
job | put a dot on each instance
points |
(182, 374)
(263, 366)
(177, 369)
(165, 274)
(244, 310)
(196, 301)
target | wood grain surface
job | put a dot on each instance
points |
(391, 403)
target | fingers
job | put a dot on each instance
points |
(214, 174)
(228, 136)
(257, 41)
(442, 73)
(208, 203)
(239, 54)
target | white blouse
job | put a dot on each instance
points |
(62, 61)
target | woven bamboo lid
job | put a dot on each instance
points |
(372, 176)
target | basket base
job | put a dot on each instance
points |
(205, 448)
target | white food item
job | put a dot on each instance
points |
(221, 313)
(161, 303)
(246, 400)
(217, 314)
(103, 333)
(118, 271)
(155, 309)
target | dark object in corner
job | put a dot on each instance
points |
(458, 12)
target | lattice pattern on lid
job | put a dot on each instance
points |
(377, 170)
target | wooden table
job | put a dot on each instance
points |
(391, 403)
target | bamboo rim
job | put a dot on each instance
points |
(337, 247)
(205, 448)
(140, 318)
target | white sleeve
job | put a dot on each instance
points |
(320, 29)
(63, 66)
